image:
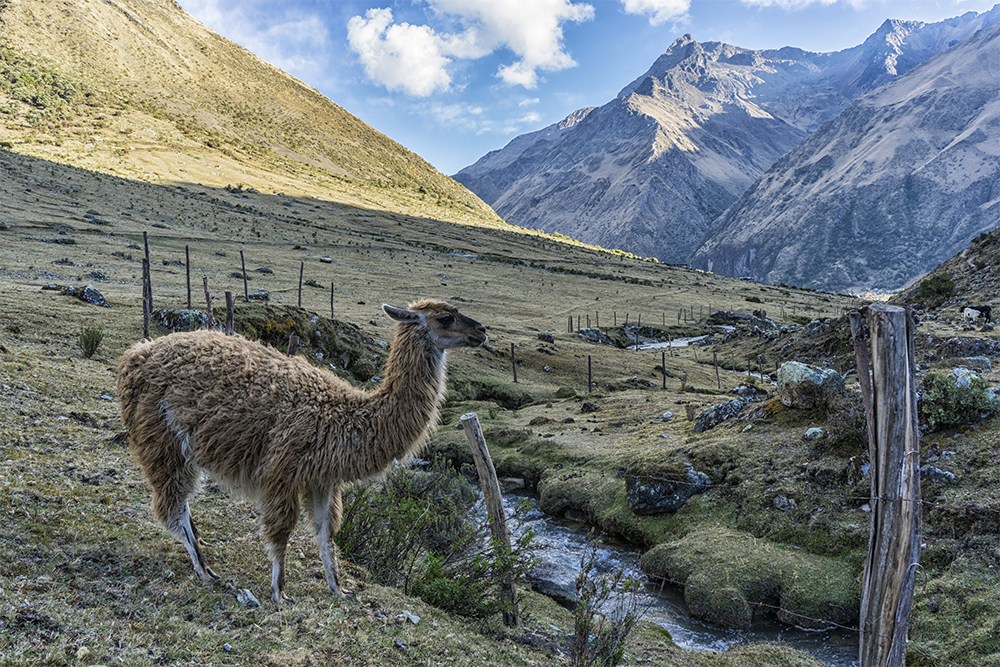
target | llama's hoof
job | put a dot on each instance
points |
(282, 599)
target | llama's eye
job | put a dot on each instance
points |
(446, 321)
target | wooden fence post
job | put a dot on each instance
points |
(302, 268)
(590, 374)
(890, 401)
(569, 327)
(229, 313)
(513, 362)
(208, 300)
(187, 265)
(293, 345)
(146, 307)
(331, 299)
(494, 505)
(148, 286)
(246, 292)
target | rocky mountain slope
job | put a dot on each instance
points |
(124, 86)
(650, 170)
(901, 180)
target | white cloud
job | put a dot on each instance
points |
(399, 56)
(660, 11)
(293, 41)
(416, 59)
(527, 102)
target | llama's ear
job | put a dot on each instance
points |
(400, 314)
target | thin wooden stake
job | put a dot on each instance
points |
(663, 365)
(148, 287)
(145, 299)
(513, 362)
(230, 313)
(246, 291)
(715, 362)
(187, 265)
(208, 300)
(569, 327)
(494, 506)
(302, 268)
(331, 300)
(597, 316)
(590, 375)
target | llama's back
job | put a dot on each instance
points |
(221, 402)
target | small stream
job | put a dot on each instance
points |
(562, 543)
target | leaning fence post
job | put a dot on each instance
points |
(494, 505)
(890, 400)
(513, 362)
(208, 300)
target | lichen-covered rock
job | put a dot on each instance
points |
(88, 294)
(594, 336)
(652, 495)
(181, 319)
(980, 363)
(719, 413)
(805, 386)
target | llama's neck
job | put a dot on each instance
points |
(407, 403)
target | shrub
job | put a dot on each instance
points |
(935, 290)
(416, 531)
(954, 399)
(90, 339)
(605, 615)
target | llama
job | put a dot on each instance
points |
(278, 429)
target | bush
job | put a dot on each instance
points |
(955, 399)
(935, 290)
(605, 615)
(416, 531)
(90, 339)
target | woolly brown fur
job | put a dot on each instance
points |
(277, 428)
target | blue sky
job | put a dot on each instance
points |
(454, 79)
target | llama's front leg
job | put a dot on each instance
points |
(326, 512)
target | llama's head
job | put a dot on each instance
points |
(446, 326)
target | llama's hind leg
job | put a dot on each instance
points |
(175, 515)
(279, 517)
(325, 510)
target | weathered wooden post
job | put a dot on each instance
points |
(590, 374)
(229, 313)
(187, 266)
(146, 310)
(148, 285)
(494, 505)
(715, 362)
(331, 299)
(597, 319)
(302, 268)
(246, 292)
(890, 401)
(208, 300)
(663, 365)
(513, 362)
(577, 322)
(569, 327)
(293, 345)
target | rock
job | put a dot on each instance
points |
(667, 416)
(326, 260)
(247, 599)
(547, 337)
(648, 495)
(963, 346)
(556, 581)
(977, 363)
(818, 327)
(181, 319)
(259, 295)
(594, 336)
(813, 434)
(751, 392)
(588, 407)
(805, 386)
(412, 618)
(727, 318)
(784, 503)
(718, 414)
(933, 474)
(88, 294)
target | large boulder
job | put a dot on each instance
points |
(88, 294)
(557, 581)
(719, 413)
(805, 386)
(651, 495)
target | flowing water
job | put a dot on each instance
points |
(563, 543)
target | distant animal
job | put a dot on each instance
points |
(278, 429)
(986, 312)
(970, 315)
